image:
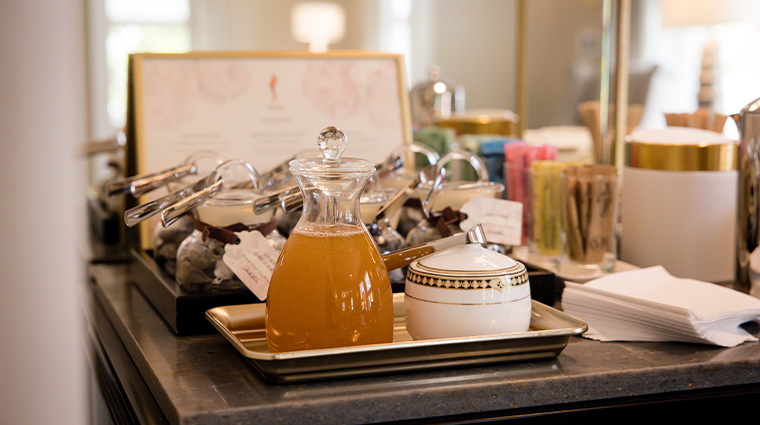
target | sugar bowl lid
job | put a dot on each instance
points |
(469, 267)
(468, 260)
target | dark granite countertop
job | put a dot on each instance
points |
(204, 380)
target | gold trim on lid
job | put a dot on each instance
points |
(682, 157)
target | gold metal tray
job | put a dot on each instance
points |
(243, 325)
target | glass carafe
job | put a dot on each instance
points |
(330, 287)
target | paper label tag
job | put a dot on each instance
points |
(252, 261)
(501, 219)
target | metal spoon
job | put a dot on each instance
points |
(404, 257)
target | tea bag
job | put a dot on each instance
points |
(571, 218)
(545, 215)
(588, 211)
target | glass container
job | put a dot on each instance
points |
(165, 241)
(200, 267)
(435, 99)
(330, 286)
(407, 154)
(385, 236)
(588, 197)
(409, 214)
(441, 200)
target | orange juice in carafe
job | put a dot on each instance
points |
(330, 286)
(330, 289)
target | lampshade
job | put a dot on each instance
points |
(318, 24)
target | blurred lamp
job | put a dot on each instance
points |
(318, 24)
(707, 13)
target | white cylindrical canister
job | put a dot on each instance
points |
(679, 202)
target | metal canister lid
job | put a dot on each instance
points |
(482, 121)
(681, 149)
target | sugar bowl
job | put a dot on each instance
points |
(466, 290)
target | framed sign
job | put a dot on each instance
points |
(262, 107)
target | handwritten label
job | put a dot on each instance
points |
(252, 261)
(501, 219)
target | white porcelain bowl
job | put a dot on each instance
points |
(466, 290)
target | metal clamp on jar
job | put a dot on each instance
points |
(406, 178)
(166, 240)
(223, 208)
(442, 199)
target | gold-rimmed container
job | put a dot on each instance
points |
(721, 155)
(482, 121)
(466, 290)
(679, 202)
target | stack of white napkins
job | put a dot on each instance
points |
(651, 305)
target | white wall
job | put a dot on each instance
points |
(42, 120)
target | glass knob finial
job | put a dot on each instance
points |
(332, 142)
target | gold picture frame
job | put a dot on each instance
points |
(260, 106)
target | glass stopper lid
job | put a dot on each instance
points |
(331, 143)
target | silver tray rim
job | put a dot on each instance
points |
(574, 326)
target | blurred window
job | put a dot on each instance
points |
(134, 26)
